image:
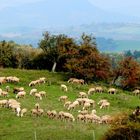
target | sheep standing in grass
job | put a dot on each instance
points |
(52, 114)
(21, 94)
(105, 105)
(2, 80)
(80, 117)
(42, 93)
(18, 89)
(91, 91)
(33, 91)
(3, 103)
(68, 116)
(63, 98)
(99, 89)
(136, 92)
(106, 119)
(23, 111)
(86, 105)
(64, 87)
(66, 104)
(4, 93)
(82, 95)
(38, 96)
(112, 91)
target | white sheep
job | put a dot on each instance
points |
(112, 91)
(68, 116)
(3, 103)
(64, 87)
(86, 105)
(83, 112)
(33, 91)
(91, 91)
(63, 98)
(21, 94)
(42, 93)
(99, 89)
(136, 92)
(106, 119)
(66, 104)
(38, 96)
(105, 105)
(23, 111)
(4, 93)
(82, 95)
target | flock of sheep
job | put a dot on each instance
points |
(87, 112)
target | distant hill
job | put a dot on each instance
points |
(111, 37)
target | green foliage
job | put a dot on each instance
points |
(129, 129)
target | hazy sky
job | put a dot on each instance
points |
(61, 12)
(129, 7)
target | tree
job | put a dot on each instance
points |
(129, 71)
(56, 47)
(6, 54)
(87, 62)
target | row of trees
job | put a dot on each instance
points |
(81, 58)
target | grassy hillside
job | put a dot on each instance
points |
(15, 128)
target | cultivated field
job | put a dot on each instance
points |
(42, 128)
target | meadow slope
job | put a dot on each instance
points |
(43, 128)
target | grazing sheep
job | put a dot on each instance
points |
(82, 95)
(83, 112)
(61, 115)
(37, 106)
(63, 98)
(4, 93)
(2, 80)
(34, 112)
(42, 80)
(64, 87)
(21, 94)
(38, 96)
(23, 111)
(102, 101)
(99, 89)
(112, 91)
(3, 103)
(78, 81)
(71, 79)
(51, 114)
(106, 119)
(33, 91)
(105, 105)
(91, 91)
(80, 117)
(136, 92)
(68, 116)
(86, 105)
(42, 93)
(67, 103)
(33, 83)
(37, 112)
(18, 89)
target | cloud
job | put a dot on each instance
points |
(14, 3)
(11, 35)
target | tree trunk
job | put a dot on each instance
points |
(54, 67)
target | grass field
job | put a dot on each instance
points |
(42, 128)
